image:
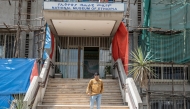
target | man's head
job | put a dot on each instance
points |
(96, 76)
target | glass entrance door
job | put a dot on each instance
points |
(91, 61)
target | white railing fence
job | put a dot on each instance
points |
(128, 88)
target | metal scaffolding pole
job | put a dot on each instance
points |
(16, 52)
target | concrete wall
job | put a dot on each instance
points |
(133, 20)
(168, 86)
(7, 12)
(22, 47)
(37, 7)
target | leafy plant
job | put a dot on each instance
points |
(108, 70)
(141, 69)
(18, 101)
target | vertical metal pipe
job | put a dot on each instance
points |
(184, 75)
(168, 73)
(87, 41)
(97, 39)
(148, 93)
(94, 41)
(10, 41)
(17, 45)
(70, 59)
(67, 57)
(173, 86)
(82, 40)
(79, 52)
(8, 46)
(99, 42)
(91, 41)
(11, 45)
(64, 54)
(5, 45)
(78, 41)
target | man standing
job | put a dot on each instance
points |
(94, 90)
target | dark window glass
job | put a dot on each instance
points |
(178, 73)
(157, 71)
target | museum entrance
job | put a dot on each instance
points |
(91, 61)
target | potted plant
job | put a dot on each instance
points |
(107, 71)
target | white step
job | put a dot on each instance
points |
(76, 80)
(80, 87)
(77, 103)
(71, 94)
(80, 100)
(80, 97)
(82, 94)
(77, 91)
(78, 107)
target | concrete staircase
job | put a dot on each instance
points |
(71, 94)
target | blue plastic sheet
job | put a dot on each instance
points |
(45, 55)
(14, 76)
(5, 101)
(47, 42)
(48, 37)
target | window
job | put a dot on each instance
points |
(169, 104)
(6, 45)
(27, 46)
(157, 71)
(166, 72)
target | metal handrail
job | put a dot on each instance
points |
(119, 74)
(35, 94)
(121, 81)
(40, 84)
(125, 86)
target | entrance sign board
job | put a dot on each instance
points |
(82, 6)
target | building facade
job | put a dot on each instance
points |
(83, 35)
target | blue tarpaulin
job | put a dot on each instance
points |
(47, 42)
(14, 77)
(5, 101)
(48, 37)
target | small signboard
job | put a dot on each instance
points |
(82, 6)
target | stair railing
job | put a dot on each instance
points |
(37, 87)
(120, 73)
(128, 88)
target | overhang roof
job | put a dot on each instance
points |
(83, 23)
